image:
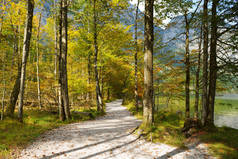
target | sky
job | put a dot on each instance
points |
(166, 21)
(142, 9)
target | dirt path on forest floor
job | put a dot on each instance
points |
(107, 137)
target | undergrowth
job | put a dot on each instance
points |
(221, 141)
(15, 135)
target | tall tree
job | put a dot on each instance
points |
(205, 64)
(89, 94)
(197, 76)
(61, 102)
(95, 36)
(188, 22)
(56, 47)
(213, 63)
(4, 87)
(3, 71)
(136, 52)
(25, 53)
(187, 67)
(64, 110)
(37, 62)
(148, 64)
(64, 58)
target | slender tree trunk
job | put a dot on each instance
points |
(136, 52)
(19, 47)
(187, 70)
(37, 62)
(61, 103)
(3, 99)
(148, 64)
(89, 76)
(158, 101)
(102, 82)
(3, 70)
(89, 94)
(2, 20)
(98, 92)
(167, 101)
(4, 88)
(26, 47)
(197, 77)
(213, 63)
(108, 93)
(56, 49)
(205, 64)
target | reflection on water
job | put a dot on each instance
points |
(229, 120)
(226, 120)
(228, 96)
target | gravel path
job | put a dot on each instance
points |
(107, 137)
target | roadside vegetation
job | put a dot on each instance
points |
(169, 121)
(16, 135)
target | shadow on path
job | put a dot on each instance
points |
(109, 136)
(83, 147)
(94, 144)
(177, 151)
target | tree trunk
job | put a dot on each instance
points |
(157, 103)
(213, 63)
(64, 58)
(61, 103)
(197, 78)
(102, 82)
(205, 64)
(64, 109)
(89, 94)
(108, 93)
(98, 92)
(26, 47)
(2, 20)
(4, 88)
(167, 101)
(3, 70)
(136, 52)
(56, 48)
(3, 99)
(37, 63)
(148, 64)
(187, 69)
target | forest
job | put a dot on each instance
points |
(118, 78)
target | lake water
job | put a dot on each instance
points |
(228, 96)
(226, 120)
(229, 120)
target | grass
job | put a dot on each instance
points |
(222, 141)
(166, 128)
(15, 135)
